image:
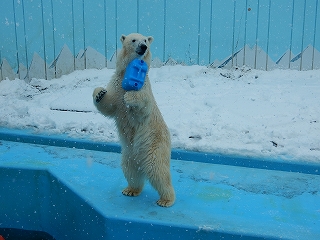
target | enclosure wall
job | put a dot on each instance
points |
(48, 38)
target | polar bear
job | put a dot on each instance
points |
(144, 135)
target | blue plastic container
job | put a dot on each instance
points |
(135, 75)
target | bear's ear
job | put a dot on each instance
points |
(122, 38)
(150, 39)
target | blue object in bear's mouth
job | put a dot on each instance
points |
(135, 75)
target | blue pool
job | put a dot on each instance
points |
(71, 189)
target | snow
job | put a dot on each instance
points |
(239, 111)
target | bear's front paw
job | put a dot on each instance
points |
(98, 94)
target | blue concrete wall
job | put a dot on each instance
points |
(192, 32)
(72, 192)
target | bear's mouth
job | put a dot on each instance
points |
(140, 52)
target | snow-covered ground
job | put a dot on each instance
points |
(239, 111)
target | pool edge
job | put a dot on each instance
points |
(278, 164)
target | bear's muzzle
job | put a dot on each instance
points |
(141, 49)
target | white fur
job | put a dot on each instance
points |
(144, 136)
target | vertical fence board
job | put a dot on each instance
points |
(263, 34)
(280, 32)
(7, 39)
(181, 31)
(280, 29)
(48, 31)
(309, 31)
(297, 27)
(239, 31)
(151, 23)
(63, 24)
(316, 41)
(251, 21)
(251, 32)
(94, 25)
(222, 29)
(316, 38)
(112, 35)
(126, 17)
(34, 38)
(78, 44)
(20, 40)
(48, 38)
(94, 31)
(204, 32)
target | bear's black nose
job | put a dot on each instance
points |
(142, 49)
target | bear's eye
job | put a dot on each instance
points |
(145, 41)
(133, 40)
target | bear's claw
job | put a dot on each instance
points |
(100, 95)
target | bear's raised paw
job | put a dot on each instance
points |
(98, 94)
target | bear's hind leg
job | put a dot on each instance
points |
(134, 176)
(160, 179)
(135, 185)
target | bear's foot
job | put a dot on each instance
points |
(132, 192)
(165, 202)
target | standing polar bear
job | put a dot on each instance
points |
(144, 136)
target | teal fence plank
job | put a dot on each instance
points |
(151, 23)
(127, 18)
(279, 40)
(34, 28)
(22, 58)
(204, 30)
(7, 33)
(297, 27)
(63, 25)
(222, 29)
(94, 24)
(182, 31)
(111, 35)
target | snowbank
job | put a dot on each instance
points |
(239, 111)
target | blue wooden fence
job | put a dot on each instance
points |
(47, 38)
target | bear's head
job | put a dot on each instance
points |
(134, 46)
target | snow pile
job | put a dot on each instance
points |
(239, 111)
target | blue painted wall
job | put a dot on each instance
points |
(193, 32)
